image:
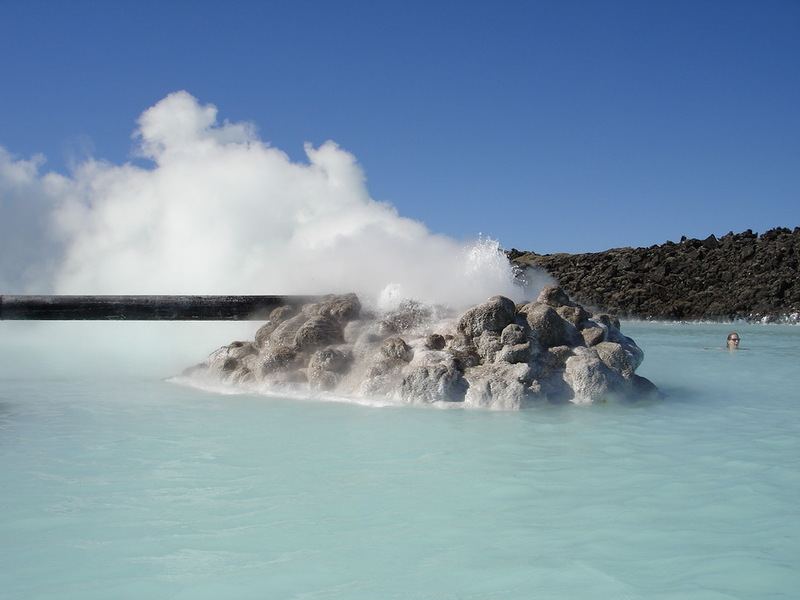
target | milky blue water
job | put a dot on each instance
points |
(117, 484)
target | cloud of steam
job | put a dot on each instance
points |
(222, 212)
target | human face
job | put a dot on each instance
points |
(733, 340)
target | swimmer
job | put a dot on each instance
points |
(733, 341)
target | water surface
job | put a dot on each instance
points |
(116, 483)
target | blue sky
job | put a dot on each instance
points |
(552, 126)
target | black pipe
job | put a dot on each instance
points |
(144, 308)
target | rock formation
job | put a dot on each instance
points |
(741, 275)
(496, 355)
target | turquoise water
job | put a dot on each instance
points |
(117, 484)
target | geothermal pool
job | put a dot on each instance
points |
(118, 484)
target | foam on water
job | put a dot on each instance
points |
(116, 483)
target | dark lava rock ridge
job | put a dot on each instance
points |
(738, 276)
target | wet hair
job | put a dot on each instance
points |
(732, 333)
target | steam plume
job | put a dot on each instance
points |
(221, 211)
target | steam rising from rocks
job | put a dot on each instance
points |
(221, 211)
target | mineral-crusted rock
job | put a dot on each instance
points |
(487, 344)
(498, 386)
(408, 315)
(276, 317)
(396, 349)
(618, 358)
(553, 296)
(435, 341)
(384, 375)
(576, 315)
(326, 367)
(278, 358)
(492, 316)
(343, 308)
(607, 320)
(228, 358)
(556, 358)
(590, 378)
(593, 335)
(318, 331)
(434, 380)
(516, 353)
(242, 375)
(513, 334)
(463, 351)
(496, 355)
(549, 327)
(284, 333)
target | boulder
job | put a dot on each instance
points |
(641, 387)
(550, 329)
(318, 331)
(396, 349)
(590, 379)
(554, 296)
(343, 308)
(556, 358)
(409, 315)
(576, 315)
(276, 317)
(435, 382)
(228, 358)
(326, 367)
(487, 345)
(516, 353)
(329, 359)
(491, 316)
(285, 333)
(435, 342)
(593, 335)
(278, 358)
(499, 386)
(513, 334)
(622, 360)
(463, 352)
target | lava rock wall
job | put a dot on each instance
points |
(740, 275)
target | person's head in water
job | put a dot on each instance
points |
(733, 340)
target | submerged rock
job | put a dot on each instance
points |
(496, 355)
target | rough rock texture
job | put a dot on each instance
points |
(491, 316)
(495, 355)
(326, 367)
(740, 275)
(435, 379)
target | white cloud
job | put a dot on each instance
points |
(220, 211)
